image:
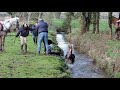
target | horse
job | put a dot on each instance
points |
(5, 27)
(116, 24)
(70, 56)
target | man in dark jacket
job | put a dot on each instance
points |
(42, 28)
(23, 33)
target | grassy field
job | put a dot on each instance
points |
(14, 64)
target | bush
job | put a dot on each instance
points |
(56, 23)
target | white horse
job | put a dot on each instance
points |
(8, 23)
(5, 27)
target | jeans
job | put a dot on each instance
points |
(42, 36)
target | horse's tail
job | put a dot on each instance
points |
(1, 27)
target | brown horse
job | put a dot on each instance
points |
(5, 27)
(116, 25)
(2, 37)
(70, 56)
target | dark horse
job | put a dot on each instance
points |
(5, 27)
(116, 24)
(70, 56)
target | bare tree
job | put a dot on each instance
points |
(29, 15)
(83, 22)
(110, 22)
(88, 19)
(40, 15)
(96, 22)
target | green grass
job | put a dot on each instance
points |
(14, 64)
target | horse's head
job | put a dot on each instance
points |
(70, 48)
(15, 21)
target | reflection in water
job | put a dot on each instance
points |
(83, 66)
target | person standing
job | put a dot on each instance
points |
(23, 33)
(42, 28)
(35, 33)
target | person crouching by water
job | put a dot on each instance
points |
(23, 33)
(42, 28)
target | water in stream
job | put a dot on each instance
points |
(83, 66)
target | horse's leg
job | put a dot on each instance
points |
(73, 58)
(66, 59)
(3, 41)
(0, 43)
(116, 33)
(119, 34)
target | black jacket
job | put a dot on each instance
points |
(23, 32)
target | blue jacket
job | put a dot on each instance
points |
(23, 32)
(42, 26)
(34, 31)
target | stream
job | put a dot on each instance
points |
(83, 66)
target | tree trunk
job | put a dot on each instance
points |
(40, 15)
(88, 18)
(83, 23)
(97, 22)
(110, 22)
(94, 22)
(29, 15)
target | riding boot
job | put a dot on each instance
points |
(44, 50)
(22, 48)
(34, 40)
(25, 48)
